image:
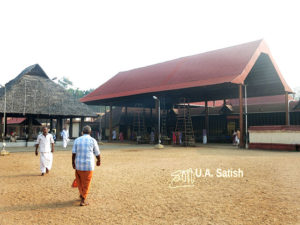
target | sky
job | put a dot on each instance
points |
(90, 41)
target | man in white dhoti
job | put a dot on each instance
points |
(65, 137)
(45, 144)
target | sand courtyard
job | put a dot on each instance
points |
(138, 184)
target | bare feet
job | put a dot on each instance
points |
(83, 201)
(47, 171)
(42, 174)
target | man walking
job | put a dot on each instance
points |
(65, 137)
(84, 149)
(45, 144)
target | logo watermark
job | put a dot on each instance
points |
(187, 178)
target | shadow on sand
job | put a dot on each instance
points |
(53, 205)
(22, 175)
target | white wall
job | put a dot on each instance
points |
(75, 131)
(274, 137)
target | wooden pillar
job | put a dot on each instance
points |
(156, 123)
(5, 121)
(206, 120)
(30, 131)
(58, 128)
(1, 127)
(110, 123)
(242, 144)
(126, 123)
(105, 124)
(287, 114)
(71, 128)
(225, 120)
(51, 124)
(81, 126)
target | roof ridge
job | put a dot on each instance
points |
(189, 56)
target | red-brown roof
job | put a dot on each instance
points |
(12, 120)
(228, 65)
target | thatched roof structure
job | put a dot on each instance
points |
(33, 93)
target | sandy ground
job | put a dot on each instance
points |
(134, 186)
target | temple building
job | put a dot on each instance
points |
(32, 98)
(234, 74)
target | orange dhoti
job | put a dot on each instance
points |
(83, 179)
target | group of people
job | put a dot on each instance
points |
(114, 135)
(177, 138)
(84, 149)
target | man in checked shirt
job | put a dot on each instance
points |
(84, 149)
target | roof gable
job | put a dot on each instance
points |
(35, 70)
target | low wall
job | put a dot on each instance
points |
(274, 137)
(29, 144)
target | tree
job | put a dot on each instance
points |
(68, 85)
(65, 82)
(77, 93)
(297, 93)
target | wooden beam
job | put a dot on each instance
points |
(242, 144)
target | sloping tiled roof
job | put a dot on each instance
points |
(228, 65)
(15, 120)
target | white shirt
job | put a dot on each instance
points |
(45, 142)
(65, 134)
(114, 134)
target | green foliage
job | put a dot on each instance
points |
(77, 93)
(68, 85)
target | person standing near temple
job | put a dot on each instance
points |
(238, 137)
(84, 149)
(65, 137)
(45, 144)
(114, 135)
(121, 137)
(152, 137)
